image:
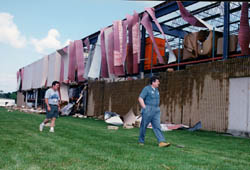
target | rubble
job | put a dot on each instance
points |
(112, 127)
(112, 118)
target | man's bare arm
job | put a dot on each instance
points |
(141, 101)
(47, 104)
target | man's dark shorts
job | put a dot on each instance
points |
(53, 112)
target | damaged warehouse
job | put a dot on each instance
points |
(199, 66)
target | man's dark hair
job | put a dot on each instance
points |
(153, 79)
(55, 82)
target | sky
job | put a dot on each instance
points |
(30, 29)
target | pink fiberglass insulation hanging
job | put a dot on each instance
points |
(72, 62)
(120, 29)
(62, 52)
(130, 45)
(111, 53)
(136, 42)
(138, 35)
(188, 16)
(18, 75)
(117, 54)
(151, 12)
(107, 33)
(104, 65)
(65, 49)
(148, 26)
(244, 31)
(18, 79)
(119, 70)
(79, 60)
(64, 64)
(117, 32)
(124, 41)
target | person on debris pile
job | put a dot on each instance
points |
(149, 100)
(52, 106)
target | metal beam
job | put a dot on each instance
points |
(93, 37)
(170, 7)
(170, 31)
(160, 10)
(226, 30)
(143, 44)
(209, 18)
(197, 11)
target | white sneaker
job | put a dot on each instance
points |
(41, 127)
(51, 130)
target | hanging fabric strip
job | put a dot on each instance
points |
(22, 71)
(79, 60)
(124, 41)
(138, 35)
(193, 20)
(72, 62)
(45, 71)
(111, 54)
(136, 41)
(130, 45)
(62, 52)
(188, 16)
(95, 68)
(244, 31)
(24, 81)
(65, 49)
(119, 70)
(66, 65)
(148, 26)
(120, 29)
(18, 75)
(104, 67)
(172, 57)
(62, 70)
(87, 44)
(18, 79)
(117, 51)
(88, 64)
(117, 42)
(37, 74)
(54, 67)
(27, 77)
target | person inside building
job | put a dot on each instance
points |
(52, 106)
(149, 100)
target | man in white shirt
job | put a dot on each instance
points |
(52, 99)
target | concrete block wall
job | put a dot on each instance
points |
(198, 93)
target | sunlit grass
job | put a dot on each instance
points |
(88, 144)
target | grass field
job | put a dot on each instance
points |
(88, 144)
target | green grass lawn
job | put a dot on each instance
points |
(88, 144)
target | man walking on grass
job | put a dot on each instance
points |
(149, 100)
(51, 105)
